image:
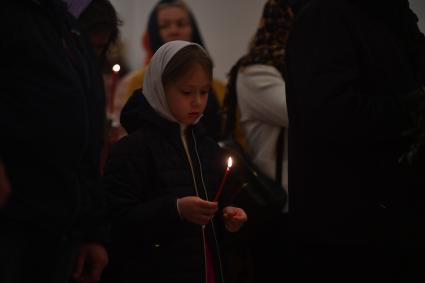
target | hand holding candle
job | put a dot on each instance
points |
(226, 174)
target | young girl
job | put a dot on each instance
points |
(161, 178)
(173, 20)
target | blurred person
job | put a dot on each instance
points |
(255, 103)
(173, 20)
(52, 118)
(100, 21)
(357, 209)
(163, 177)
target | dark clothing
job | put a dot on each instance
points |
(211, 119)
(352, 202)
(51, 122)
(52, 115)
(145, 174)
(29, 254)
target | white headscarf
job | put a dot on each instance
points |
(153, 89)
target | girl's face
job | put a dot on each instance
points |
(174, 24)
(187, 97)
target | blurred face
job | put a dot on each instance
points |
(174, 24)
(188, 96)
(99, 42)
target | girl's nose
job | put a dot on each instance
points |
(197, 99)
(174, 30)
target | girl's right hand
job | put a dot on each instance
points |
(196, 210)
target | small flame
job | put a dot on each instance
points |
(229, 162)
(116, 68)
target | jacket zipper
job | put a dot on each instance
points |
(186, 149)
(212, 220)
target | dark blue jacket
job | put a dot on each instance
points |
(145, 174)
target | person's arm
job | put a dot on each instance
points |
(261, 95)
(91, 261)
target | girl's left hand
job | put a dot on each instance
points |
(234, 218)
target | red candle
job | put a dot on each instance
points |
(114, 77)
(226, 174)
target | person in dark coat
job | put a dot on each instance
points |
(357, 208)
(163, 177)
(51, 123)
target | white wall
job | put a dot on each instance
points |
(226, 26)
(418, 6)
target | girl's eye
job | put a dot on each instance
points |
(186, 92)
(182, 23)
(164, 26)
(203, 93)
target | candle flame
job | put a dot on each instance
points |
(229, 162)
(116, 68)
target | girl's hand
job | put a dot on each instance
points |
(196, 210)
(234, 218)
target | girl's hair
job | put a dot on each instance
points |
(183, 61)
(153, 39)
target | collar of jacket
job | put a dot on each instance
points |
(138, 112)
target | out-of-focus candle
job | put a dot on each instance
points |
(114, 78)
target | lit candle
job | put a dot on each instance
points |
(226, 174)
(114, 77)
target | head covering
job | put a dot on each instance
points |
(76, 7)
(267, 48)
(269, 43)
(153, 89)
(153, 37)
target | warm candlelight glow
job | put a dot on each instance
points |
(223, 181)
(229, 162)
(114, 77)
(116, 68)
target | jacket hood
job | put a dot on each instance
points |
(138, 112)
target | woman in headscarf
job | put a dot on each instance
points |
(173, 20)
(162, 178)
